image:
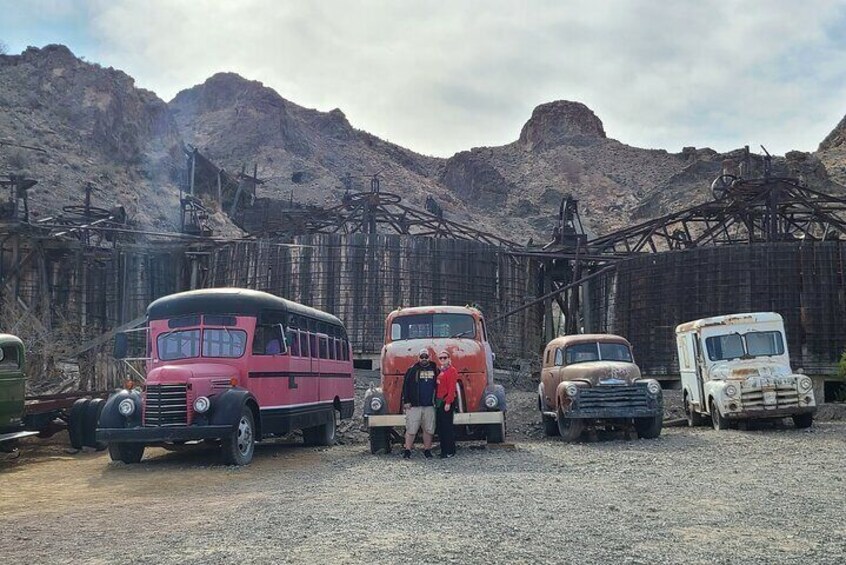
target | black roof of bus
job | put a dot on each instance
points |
(232, 301)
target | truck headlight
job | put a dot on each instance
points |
(731, 390)
(491, 401)
(653, 387)
(126, 407)
(201, 405)
(571, 390)
(805, 384)
(375, 403)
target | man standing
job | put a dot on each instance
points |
(418, 401)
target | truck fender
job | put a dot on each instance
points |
(499, 392)
(561, 396)
(226, 408)
(111, 418)
(370, 395)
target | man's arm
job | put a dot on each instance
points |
(406, 385)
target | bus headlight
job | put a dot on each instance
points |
(571, 390)
(126, 407)
(375, 403)
(653, 388)
(731, 391)
(805, 384)
(201, 405)
(491, 401)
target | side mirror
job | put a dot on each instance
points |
(121, 346)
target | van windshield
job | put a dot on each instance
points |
(750, 344)
(586, 352)
(421, 326)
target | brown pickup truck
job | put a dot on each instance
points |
(591, 379)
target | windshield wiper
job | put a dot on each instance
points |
(465, 332)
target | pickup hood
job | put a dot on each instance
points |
(468, 356)
(599, 373)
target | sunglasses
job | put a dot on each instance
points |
(424, 356)
(443, 358)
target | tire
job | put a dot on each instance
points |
(239, 446)
(649, 428)
(694, 418)
(802, 421)
(495, 433)
(570, 429)
(550, 426)
(380, 440)
(89, 428)
(717, 420)
(76, 422)
(127, 452)
(323, 434)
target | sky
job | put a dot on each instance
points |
(444, 76)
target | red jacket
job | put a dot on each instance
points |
(447, 379)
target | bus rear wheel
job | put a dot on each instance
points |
(323, 434)
(238, 448)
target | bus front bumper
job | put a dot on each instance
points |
(151, 434)
(460, 419)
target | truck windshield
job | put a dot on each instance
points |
(750, 344)
(216, 342)
(421, 326)
(585, 352)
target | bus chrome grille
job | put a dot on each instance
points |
(166, 405)
(606, 396)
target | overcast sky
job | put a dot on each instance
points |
(440, 77)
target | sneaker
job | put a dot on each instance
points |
(406, 454)
(427, 454)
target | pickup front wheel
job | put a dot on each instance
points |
(570, 428)
(649, 428)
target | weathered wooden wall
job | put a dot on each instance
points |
(804, 282)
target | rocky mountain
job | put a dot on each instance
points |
(97, 126)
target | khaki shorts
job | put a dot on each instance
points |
(417, 415)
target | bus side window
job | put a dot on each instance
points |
(304, 349)
(324, 354)
(313, 343)
(332, 349)
(268, 340)
(294, 342)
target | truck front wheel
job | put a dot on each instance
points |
(718, 421)
(649, 428)
(803, 421)
(126, 452)
(238, 448)
(380, 440)
(570, 429)
(496, 432)
(550, 426)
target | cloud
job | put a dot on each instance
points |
(439, 77)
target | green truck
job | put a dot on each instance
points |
(22, 416)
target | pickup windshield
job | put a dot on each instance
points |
(421, 326)
(750, 344)
(585, 352)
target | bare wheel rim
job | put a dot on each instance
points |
(245, 436)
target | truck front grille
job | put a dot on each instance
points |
(166, 405)
(629, 396)
(785, 397)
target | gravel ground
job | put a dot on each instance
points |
(770, 495)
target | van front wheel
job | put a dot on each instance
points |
(718, 421)
(802, 421)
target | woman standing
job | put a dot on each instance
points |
(445, 405)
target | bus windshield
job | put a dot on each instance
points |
(750, 344)
(216, 342)
(421, 326)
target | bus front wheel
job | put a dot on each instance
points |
(238, 448)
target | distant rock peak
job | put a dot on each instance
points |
(560, 122)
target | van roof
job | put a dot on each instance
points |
(233, 301)
(730, 319)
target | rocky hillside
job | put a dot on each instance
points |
(97, 127)
(94, 126)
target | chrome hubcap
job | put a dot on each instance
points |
(245, 435)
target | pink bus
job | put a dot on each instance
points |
(232, 366)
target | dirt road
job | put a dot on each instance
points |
(692, 496)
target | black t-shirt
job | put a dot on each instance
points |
(419, 384)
